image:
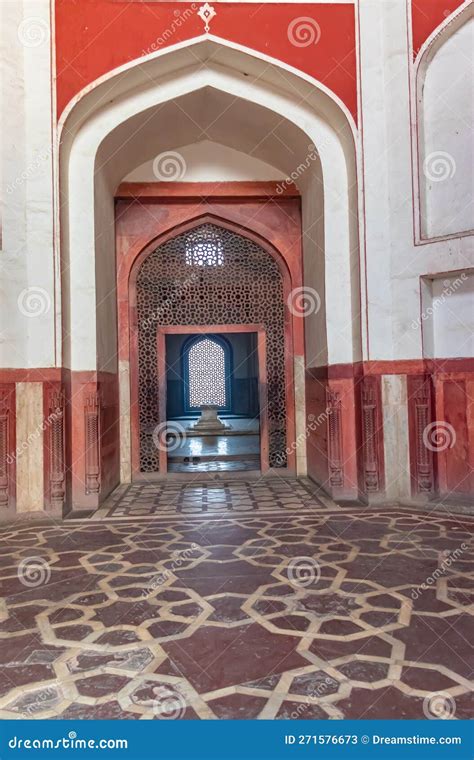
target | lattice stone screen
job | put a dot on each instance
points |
(206, 372)
(209, 276)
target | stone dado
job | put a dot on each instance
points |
(345, 439)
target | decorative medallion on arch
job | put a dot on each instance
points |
(210, 275)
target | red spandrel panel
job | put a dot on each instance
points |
(96, 36)
(427, 15)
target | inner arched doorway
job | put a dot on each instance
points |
(211, 280)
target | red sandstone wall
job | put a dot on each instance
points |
(92, 437)
(96, 36)
(427, 15)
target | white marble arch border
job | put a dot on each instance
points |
(125, 92)
(418, 69)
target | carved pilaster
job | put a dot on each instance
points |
(92, 442)
(370, 434)
(56, 448)
(424, 458)
(333, 402)
(4, 450)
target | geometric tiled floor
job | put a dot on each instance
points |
(214, 498)
(266, 614)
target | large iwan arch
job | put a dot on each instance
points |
(131, 116)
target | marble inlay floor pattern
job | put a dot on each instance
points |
(261, 615)
(166, 498)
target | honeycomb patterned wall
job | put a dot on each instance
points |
(230, 280)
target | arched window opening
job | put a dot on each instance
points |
(207, 374)
(204, 247)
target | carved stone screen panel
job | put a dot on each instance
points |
(210, 276)
(207, 374)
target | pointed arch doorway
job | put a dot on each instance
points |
(244, 290)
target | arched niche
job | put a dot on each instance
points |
(444, 81)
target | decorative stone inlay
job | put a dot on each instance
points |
(206, 12)
(224, 634)
(56, 444)
(4, 449)
(92, 436)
